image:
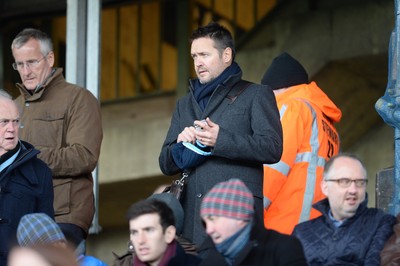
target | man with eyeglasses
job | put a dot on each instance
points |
(25, 181)
(348, 232)
(63, 121)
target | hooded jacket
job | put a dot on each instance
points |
(63, 121)
(292, 185)
(25, 187)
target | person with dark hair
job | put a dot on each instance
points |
(235, 237)
(63, 121)
(223, 127)
(308, 118)
(174, 204)
(152, 233)
(348, 232)
(25, 181)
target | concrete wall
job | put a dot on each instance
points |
(134, 131)
(316, 37)
(376, 150)
(133, 136)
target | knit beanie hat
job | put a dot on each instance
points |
(230, 199)
(175, 206)
(285, 71)
(38, 228)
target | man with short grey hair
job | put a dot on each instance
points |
(63, 121)
(25, 181)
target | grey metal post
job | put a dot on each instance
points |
(83, 61)
(75, 65)
(93, 64)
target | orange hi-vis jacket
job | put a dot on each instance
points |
(292, 185)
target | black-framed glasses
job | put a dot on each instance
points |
(346, 182)
(29, 64)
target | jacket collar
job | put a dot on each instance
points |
(324, 208)
(27, 170)
(219, 95)
(38, 94)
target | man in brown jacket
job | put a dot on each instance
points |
(63, 121)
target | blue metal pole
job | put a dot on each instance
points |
(395, 205)
(388, 106)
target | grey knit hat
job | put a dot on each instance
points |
(38, 228)
(176, 207)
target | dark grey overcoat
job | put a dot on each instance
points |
(250, 134)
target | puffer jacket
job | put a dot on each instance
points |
(358, 241)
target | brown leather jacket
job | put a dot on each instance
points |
(63, 121)
(390, 255)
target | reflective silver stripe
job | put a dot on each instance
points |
(282, 110)
(281, 167)
(314, 161)
(311, 158)
(266, 202)
(307, 157)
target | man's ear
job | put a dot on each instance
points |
(170, 234)
(324, 187)
(50, 58)
(227, 55)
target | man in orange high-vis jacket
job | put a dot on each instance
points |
(292, 185)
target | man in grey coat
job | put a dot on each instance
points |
(223, 127)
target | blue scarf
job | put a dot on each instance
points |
(202, 92)
(9, 157)
(231, 247)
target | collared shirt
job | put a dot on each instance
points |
(335, 222)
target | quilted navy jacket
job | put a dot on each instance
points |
(358, 241)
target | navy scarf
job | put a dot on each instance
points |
(202, 92)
